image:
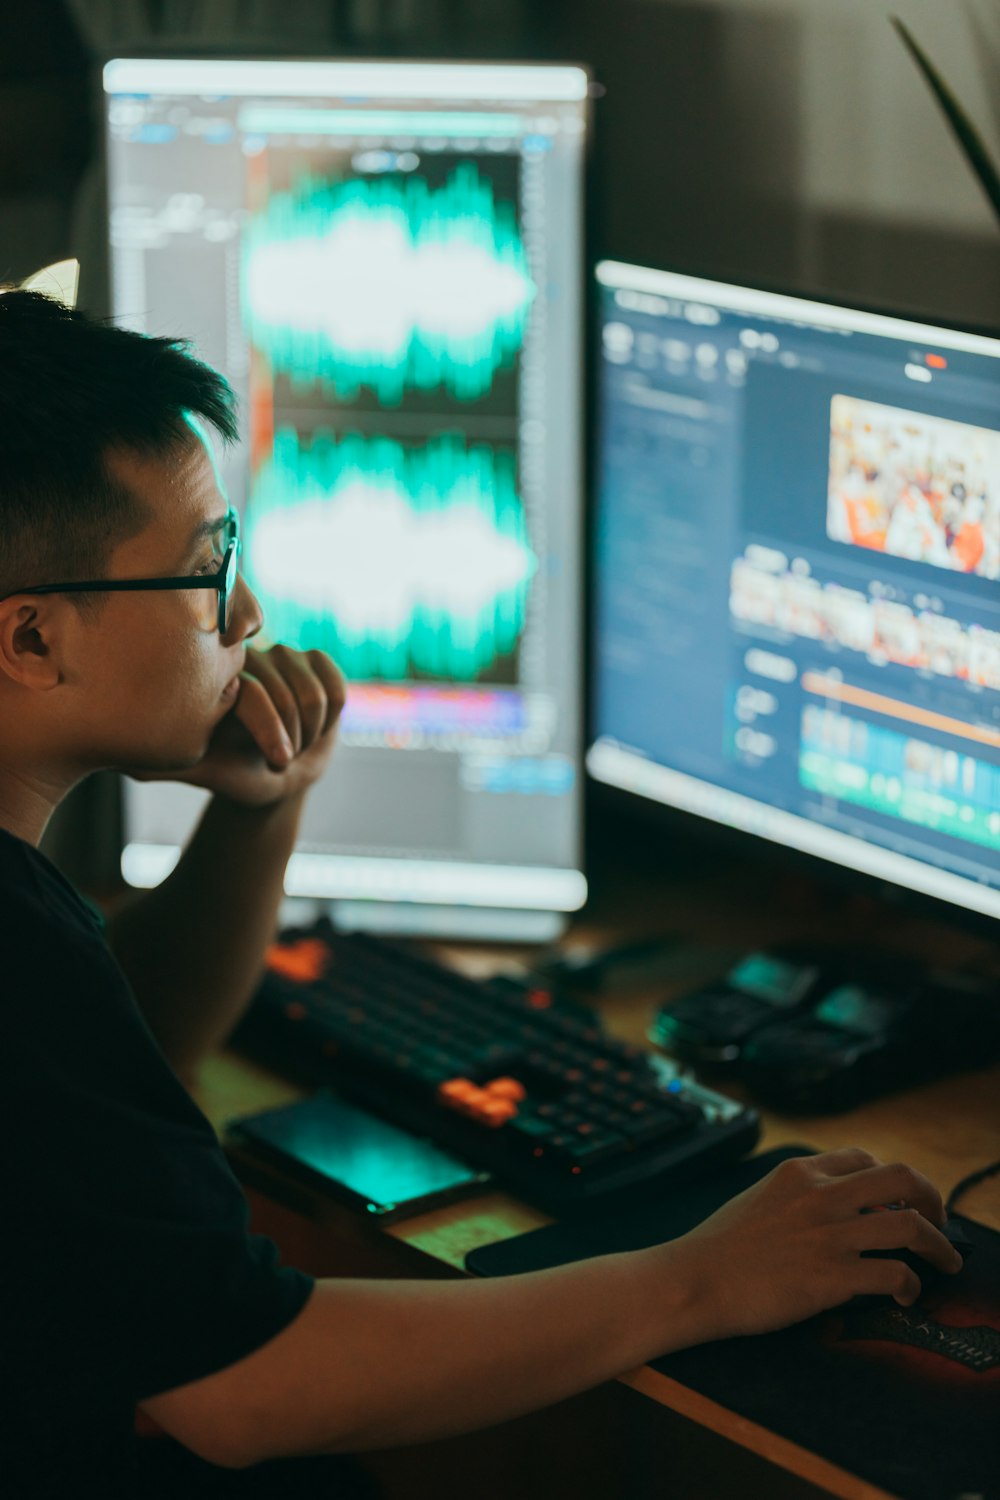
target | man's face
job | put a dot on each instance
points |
(150, 681)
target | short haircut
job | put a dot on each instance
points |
(72, 388)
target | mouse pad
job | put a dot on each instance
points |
(906, 1398)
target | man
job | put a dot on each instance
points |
(125, 641)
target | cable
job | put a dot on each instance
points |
(973, 1179)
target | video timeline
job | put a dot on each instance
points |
(896, 776)
(768, 589)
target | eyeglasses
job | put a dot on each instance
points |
(223, 581)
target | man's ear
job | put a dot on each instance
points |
(30, 641)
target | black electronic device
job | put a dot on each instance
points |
(931, 1279)
(512, 1077)
(356, 1157)
(861, 1040)
(710, 1026)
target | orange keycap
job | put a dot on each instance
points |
(506, 1088)
(455, 1089)
(303, 962)
(496, 1111)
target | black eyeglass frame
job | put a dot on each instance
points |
(223, 580)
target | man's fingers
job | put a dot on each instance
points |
(887, 1278)
(897, 1183)
(841, 1163)
(255, 708)
(301, 685)
(260, 669)
(310, 694)
(335, 684)
(906, 1229)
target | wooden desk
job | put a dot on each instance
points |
(946, 1129)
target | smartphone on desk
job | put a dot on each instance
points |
(357, 1158)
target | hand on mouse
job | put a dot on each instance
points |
(790, 1246)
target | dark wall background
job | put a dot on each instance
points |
(45, 137)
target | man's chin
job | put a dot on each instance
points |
(160, 766)
(167, 760)
(223, 730)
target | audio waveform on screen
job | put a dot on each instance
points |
(397, 560)
(389, 283)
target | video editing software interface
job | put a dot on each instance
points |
(798, 576)
(385, 262)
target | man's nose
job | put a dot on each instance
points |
(248, 617)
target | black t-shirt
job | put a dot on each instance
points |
(127, 1268)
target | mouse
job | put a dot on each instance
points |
(931, 1279)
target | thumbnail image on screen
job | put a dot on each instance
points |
(915, 486)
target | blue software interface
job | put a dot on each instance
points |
(798, 576)
(385, 261)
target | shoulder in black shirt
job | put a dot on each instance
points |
(130, 1267)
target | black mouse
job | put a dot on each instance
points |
(931, 1279)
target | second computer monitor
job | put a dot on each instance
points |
(798, 576)
(385, 260)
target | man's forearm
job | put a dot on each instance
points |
(193, 947)
(466, 1357)
(379, 1364)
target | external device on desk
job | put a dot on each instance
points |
(385, 260)
(513, 1078)
(820, 1029)
(711, 1025)
(356, 1157)
(863, 1038)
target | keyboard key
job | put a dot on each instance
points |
(654, 1127)
(598, 1147)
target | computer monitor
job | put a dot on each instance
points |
(797, 615)
(385, 261)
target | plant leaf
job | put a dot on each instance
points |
(968, 137)
(989, 54)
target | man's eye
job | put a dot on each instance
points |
(212, 566)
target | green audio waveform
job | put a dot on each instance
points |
(389, 283)
(398, 561)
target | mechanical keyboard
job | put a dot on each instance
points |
(510, 1076)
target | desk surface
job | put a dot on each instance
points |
(946, 1128)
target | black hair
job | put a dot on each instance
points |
(71, 389)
